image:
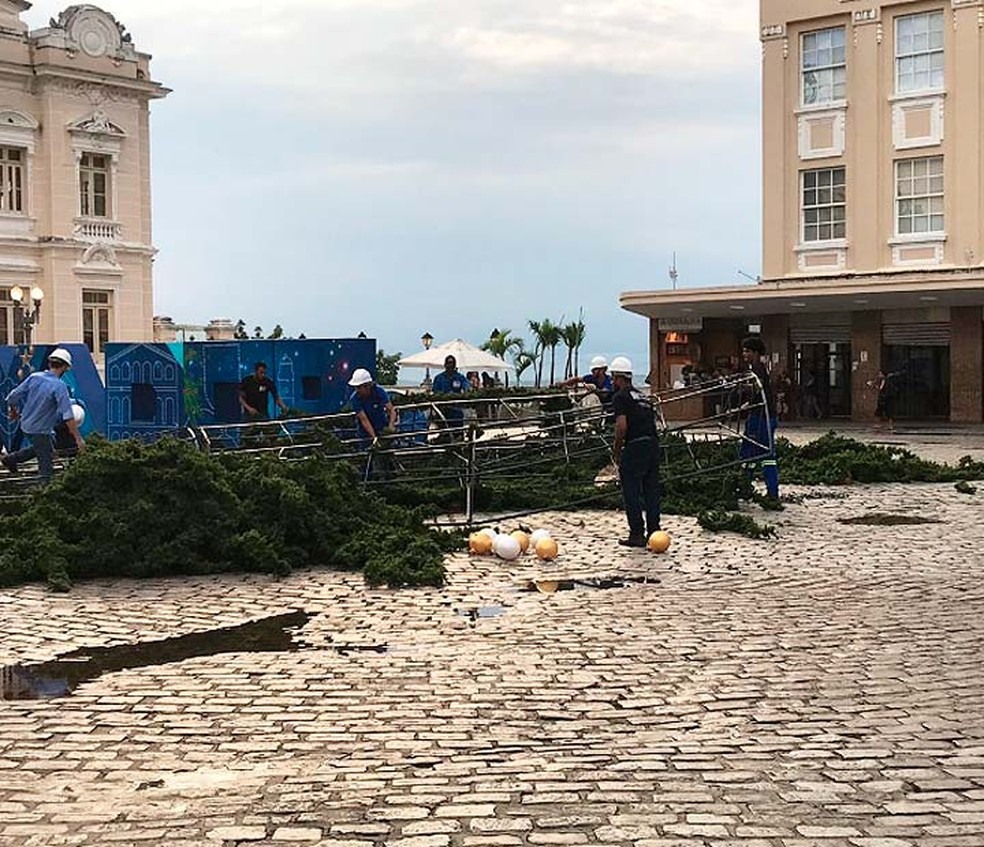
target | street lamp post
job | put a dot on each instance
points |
(30, 312)
(427, 339)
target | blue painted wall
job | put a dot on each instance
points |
(83, 383)
(152, 389)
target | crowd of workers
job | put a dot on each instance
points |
(42, 403)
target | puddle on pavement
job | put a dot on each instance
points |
(476, 613)
(349, 649)
(879, 519)
(602, 583)
(61, 676)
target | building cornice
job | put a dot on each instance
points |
(85, 84)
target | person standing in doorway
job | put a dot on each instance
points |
(42, 402)
(759, 443)
(255, 392)
(636, 453)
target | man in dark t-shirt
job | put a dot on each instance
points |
(759, 443)
(636, 454)
(255, 392)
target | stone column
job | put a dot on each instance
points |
(775, 334)
(966, 360)
(866, 348)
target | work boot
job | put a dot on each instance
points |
(633, 541)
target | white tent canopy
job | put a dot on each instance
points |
(468, 356)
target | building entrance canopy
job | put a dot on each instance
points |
(851, 294)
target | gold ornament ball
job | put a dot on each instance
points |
(522, 538)
(659, 541)
(480, 543)
(546, 549)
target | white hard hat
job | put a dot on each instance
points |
(78, 412)
(62, 355)
(599, 362)
(621, 365)
(360, 377)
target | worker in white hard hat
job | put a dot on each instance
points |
(596, 380)
(42, 402)
(374, 411)
(637, 454)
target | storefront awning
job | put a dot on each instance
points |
(843, 294)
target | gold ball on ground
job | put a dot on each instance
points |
(547, 586)
(546, 549)
(659, 541)
(522, 538)
(480, 543)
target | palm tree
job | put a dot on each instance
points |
(572, 335)
(536, 327)
(523, 360)
(500, 343)
(551, 338)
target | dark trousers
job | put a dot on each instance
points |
(41, 447)
(639, 475)
(761, 430)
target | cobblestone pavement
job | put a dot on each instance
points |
(822, 689)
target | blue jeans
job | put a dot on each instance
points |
(41, 447)
(639, 474)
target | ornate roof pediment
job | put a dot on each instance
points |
(90, 30)
(98, 123)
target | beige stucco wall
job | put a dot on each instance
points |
(85, 88)
(871, 117)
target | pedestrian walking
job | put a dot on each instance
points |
(636, 453)
(42, 402)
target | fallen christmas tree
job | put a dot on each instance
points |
(131, 510)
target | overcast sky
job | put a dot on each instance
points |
(450, 166)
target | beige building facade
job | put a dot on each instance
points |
(873, 214)
(75, 203)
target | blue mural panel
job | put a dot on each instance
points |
(157, 388)
(84, 384)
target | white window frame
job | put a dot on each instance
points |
(11, 330)
(13, 180)
(88, 172)
(99, 309)
(837, 226)
(919, 183)
(829, 70)
(918, 50)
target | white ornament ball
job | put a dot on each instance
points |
(538, 534)
(78, 413)
(507, 547)
(491, 533)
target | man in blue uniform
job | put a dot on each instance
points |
(597, 380)
(375, 418)
(451, 381)
(374, 411)
(41, 402)
(760, 426)
(636, 453)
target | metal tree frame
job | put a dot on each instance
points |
(465, 440)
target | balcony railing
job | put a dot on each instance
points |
(98, 229)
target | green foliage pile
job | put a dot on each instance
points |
(132, 510)
(835, 460)
(718, 520)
